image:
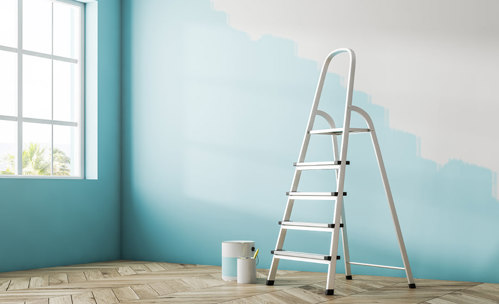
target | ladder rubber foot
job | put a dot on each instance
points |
(270, 282)
(349, 277)
(329, 292)
(412, 285)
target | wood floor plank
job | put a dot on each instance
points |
(277, 297)
(172, 266)
(202, 282)
(37, 282)
(37, 301)
(4, 284)
(485, 290)
(306, 294)
(58, 278)
(60, 300)
(125, 293)
(105, 296)
(110, 273)
(76, 277)
(19, 283)
(145, 291)
(139, 268)
(126, 270)
(391, 294)
(170, 286)
(95, 274)
(462, 297)
(438, 301)
(155, 267)
(83, 298)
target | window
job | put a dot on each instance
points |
(41, 88)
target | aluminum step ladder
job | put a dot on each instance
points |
(339, 166)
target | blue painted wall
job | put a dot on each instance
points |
(59, 222)
(212, 122)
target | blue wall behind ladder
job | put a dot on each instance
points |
(60, 222)
(212, 123)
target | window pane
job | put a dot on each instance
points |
(67, 30)
(66, 151)
(8, 147)
(67, 92)
(8, 23)
(8, 83)
(37, 25)
(36, 149)
(37, 87)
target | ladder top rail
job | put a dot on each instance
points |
(337, 52)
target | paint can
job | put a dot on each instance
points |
(231, 250)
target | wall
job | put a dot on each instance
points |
(60, 222)
(431, 59)
(214, 112)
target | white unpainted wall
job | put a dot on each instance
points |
(433, 64)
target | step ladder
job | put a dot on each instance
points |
(339, 166)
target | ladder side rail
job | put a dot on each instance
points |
(341, 178)
(280, 242)
(301, 158)
(346, 251)
(384, 177)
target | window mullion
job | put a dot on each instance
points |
(52, 92)
(19, 87)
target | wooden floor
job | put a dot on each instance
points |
(148, 282)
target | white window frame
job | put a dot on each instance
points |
(20, 119)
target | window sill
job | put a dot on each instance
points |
(41, 177)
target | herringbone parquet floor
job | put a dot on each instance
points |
(155, 282)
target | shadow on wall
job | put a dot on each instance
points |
(213, 122)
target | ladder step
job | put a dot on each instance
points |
(319, 165)
(338, 131)
(307, 226)
(314, 195)
(302, 256)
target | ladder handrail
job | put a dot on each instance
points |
(318, 93)
(337, 52)
(364, 115)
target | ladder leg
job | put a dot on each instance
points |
(389, 196)
(344, 237)
(333, 251)
(280, 241)
(275, 262)
(346, 252)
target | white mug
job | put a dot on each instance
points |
(246, 270)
